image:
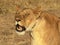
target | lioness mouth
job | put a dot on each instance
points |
(20, 28)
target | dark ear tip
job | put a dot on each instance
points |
(59, 17)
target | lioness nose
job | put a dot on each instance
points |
(17, 19)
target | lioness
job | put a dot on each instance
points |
(43, 25)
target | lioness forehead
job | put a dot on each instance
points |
(26, 14)
(23, 14)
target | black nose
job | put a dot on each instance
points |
(17, 19)
(18, 28)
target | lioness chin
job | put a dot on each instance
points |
(44, 26)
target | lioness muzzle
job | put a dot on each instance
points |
(19, 28)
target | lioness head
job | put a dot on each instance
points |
(27, 19)
(23, 20)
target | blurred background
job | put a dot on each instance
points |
(8, 9)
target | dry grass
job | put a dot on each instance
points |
(8, 9)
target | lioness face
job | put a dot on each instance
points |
(23, 20)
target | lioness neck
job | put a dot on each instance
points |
(44, 34)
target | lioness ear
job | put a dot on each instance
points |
(59, 17)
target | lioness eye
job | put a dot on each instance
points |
(27, 14)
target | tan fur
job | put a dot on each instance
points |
(46, 27)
